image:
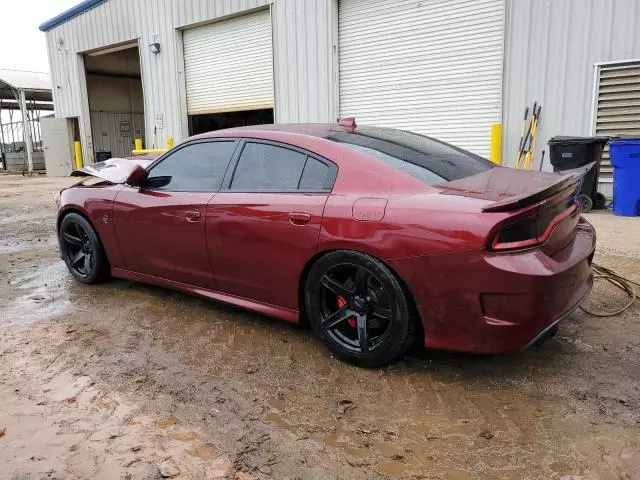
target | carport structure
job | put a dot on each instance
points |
(30, 93)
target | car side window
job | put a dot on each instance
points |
(198, 167)
(264, 167)
(314, 176)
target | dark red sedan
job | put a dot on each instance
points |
(374, 236)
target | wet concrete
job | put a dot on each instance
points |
(124, 380)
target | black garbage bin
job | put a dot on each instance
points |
(566, 153)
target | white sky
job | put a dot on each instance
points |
(22, 45)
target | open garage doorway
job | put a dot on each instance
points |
(114, 89)
(216, 121)
(229, 73)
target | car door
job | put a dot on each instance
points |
(264, 224)
(161, 226)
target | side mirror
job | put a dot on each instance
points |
(137, 177)
(157, 182)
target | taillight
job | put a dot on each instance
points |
(529, 231)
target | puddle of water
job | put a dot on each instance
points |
(184, 436)
(205, 450)
(457, 475)
(44, 294)
(167, 422)
(281, 423)
(391, 468)
(21, 245)
(10, 216)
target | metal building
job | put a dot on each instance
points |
(446, 68)
(28, 94)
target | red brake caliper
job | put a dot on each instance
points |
(351, 320)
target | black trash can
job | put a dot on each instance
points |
(102, 156)
(566, 153)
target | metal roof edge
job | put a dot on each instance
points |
(69, 14)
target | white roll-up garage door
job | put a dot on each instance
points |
(229, 65)
(433, 67)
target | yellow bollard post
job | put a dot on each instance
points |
(496, 144)
(138, 144)
(77, 152)
(169, 143)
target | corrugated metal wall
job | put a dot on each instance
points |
(302, 61)
(551, 49)
(305, 34)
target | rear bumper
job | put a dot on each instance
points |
(544, 334)
(483, 302)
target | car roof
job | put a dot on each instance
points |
(320, 130)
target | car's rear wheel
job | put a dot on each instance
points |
(358, 308)
(81, 249)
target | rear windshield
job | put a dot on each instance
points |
(421, 157)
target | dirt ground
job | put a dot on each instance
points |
(127, 381)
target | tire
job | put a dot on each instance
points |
(358, 308)
(585, 203)
(82, 250)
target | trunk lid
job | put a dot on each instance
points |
(512, 189)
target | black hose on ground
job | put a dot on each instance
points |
(618, 281)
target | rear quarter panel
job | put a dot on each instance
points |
(95, 203)
(413, 225)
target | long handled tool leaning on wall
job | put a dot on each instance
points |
(522, 132)
(528, 134)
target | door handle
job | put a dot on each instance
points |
(297, 218)
(192, 216)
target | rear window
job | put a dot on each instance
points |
(424, 158)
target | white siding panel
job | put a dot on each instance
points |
(551, 49)
(229, 65)
(303, 56)
(431, 67)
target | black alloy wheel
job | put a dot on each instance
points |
(358, 308)
(81, 249)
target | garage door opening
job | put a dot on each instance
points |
(229, 73)
(216, 121)
(114, 89)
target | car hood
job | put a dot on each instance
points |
(510, 188)
(114, 170)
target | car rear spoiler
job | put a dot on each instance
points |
(512, 189)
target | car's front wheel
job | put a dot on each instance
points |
(81, 249)
(358, 308)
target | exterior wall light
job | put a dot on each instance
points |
(154, 47)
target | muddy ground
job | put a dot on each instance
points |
(127, 381)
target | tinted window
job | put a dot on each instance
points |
(198, 167)
(421, 157)
(314, 176)
(268, 167)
